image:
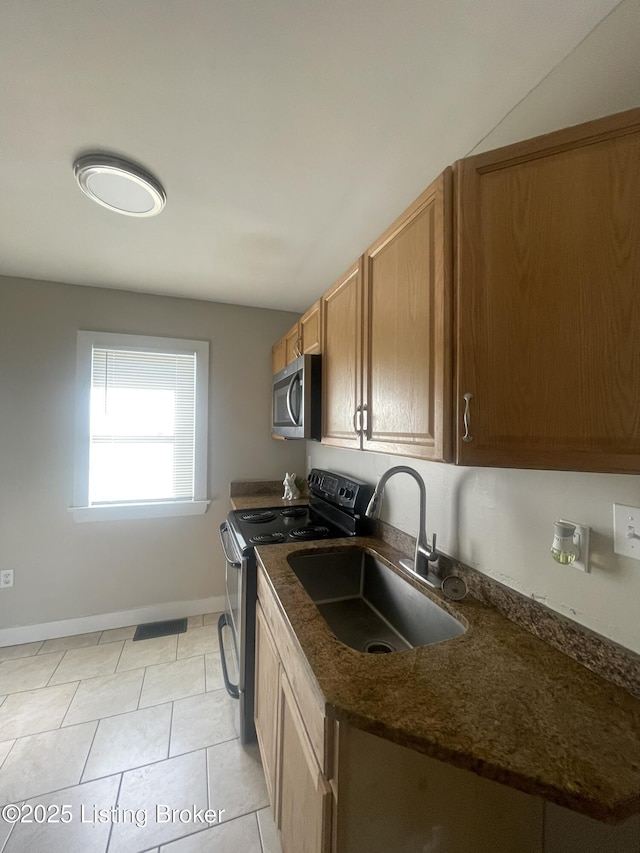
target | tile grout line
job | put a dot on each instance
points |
(144, 678)
(86, 758)
(207, 777)
(170, 730)
(6, 841)
(119, 656)
(259, 832)
(8, 754)
(64, 716)
(49, 684)
(106, 849)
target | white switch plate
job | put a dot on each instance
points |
(626, 531)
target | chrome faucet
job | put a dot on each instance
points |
(425, 554)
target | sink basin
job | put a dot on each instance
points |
(368, 606)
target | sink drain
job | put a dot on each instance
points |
(378, 647)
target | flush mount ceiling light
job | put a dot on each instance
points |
(119, 185)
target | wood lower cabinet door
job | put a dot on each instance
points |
(304, 794)
(342, 360)
(548, 301)
(267, 693)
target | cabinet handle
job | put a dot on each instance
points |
(357, 421)
(365, 416)
(466, 418)
(297, 349)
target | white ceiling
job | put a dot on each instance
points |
(287, 133)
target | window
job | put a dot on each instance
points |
(141, 427)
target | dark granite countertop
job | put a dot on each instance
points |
(497, 701)
(255, 494)
(260, 501)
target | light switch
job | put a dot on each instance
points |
(626, 531)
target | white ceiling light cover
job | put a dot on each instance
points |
(119, 185)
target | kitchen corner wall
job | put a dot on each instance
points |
(500, 521)
(66, 570)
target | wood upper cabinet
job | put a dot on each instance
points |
(406, 392)
(342, 360)
(310, 330)
(278, 356)
(304, 338)
(548, 301)
(292, 344)
(387, 338)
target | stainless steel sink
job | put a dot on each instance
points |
(368, 606)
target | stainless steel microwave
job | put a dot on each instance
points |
(297, 399)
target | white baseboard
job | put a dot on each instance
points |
(105, 621)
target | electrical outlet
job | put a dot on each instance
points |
(6, 578)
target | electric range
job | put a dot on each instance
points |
(336, 508)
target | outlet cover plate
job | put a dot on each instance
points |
(626, 531)
(6, 578)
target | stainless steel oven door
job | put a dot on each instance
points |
(233, 617)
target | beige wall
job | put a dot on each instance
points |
(63, 569)
(501, 521)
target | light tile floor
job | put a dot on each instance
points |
(111, 745)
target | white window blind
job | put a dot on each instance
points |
(142, 408)
(142, 426)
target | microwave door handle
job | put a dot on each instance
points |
(294, 418)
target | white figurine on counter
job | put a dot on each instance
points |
(291, 491)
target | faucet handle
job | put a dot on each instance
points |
(433, 556)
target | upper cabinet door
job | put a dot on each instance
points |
(292, 344)
(278, 356)
(548, 301)
(341, 360)
(407, 331)
(310, 325)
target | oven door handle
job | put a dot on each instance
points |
(232, 689)
(224, 529)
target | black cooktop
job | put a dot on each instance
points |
(274, 525)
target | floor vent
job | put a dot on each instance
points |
(160, 629)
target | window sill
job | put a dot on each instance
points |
(119, 512)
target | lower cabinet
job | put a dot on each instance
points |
(337, 789)
(304, 794)
(290, 731)
(267, 695)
